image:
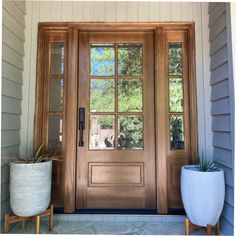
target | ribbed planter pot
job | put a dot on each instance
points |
(203, 195)
(30, 187)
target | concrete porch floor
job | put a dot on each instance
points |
(110, 224)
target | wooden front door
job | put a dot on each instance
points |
(116, 151)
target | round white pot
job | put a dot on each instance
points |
(30, 187)
(203, 195)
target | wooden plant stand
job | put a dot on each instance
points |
(189, 226)
(13, 219)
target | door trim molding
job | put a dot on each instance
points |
(72, 29)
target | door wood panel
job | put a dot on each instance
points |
(117, 178)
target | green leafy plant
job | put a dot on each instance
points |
(206, 165)
(40, 156)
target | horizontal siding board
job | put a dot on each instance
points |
(9, 153)
(11, 72)
(219, 58)
(220, 90)
(220, 107)
(10, 137)
(15, 12)
(219, 74)
(226, 227)
(218, 42)
(222, 140)
(21, 5)
(218, 26)
(12, 41)
(217, 12)
(228, 175)
(223, 156)
(229, 195)
(11, 89)
(221, 123)
(11, 105)
(13, 25)
(11, 56)
(228, 212)
(11, 122)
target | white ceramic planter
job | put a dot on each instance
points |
(30, 187)
(203, 195)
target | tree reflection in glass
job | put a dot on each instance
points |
(102, 60)
(176, 132)
(102, 95)
(130, 95)
(130, 60)
(130, 134)
(175, 59)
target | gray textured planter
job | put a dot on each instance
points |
(30, 187)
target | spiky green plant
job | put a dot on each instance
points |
(206, 165)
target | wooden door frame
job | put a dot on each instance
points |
(69, 164)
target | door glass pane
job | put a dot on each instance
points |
(102, 97)
(57, 58)
(176, 132)
(176, 95)
(56, 95)
(175, 59)
(130, 132)
(101, 132)
(55, 132)
(102, 60)
(130, 95)
(130, 57)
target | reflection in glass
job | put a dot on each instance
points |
(175, 95)
(55, 132)
(176, 132)
(175, 59)
(130, 132)
(57, 58)
(101, 95)
(130, 60)
(102, 60)
(101, 132)
(129, 95)
(56, 95)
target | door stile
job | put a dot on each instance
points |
(161, 121)
(71, 124)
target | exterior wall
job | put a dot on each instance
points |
(12, 69)
(222, 100)
(80, 11)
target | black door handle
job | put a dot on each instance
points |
(81, 126)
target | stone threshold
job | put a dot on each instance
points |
(117, 218)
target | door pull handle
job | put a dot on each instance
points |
(81, 126)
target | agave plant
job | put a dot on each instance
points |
(40, 156)
(206, 165)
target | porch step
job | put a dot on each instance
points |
(118, 218)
